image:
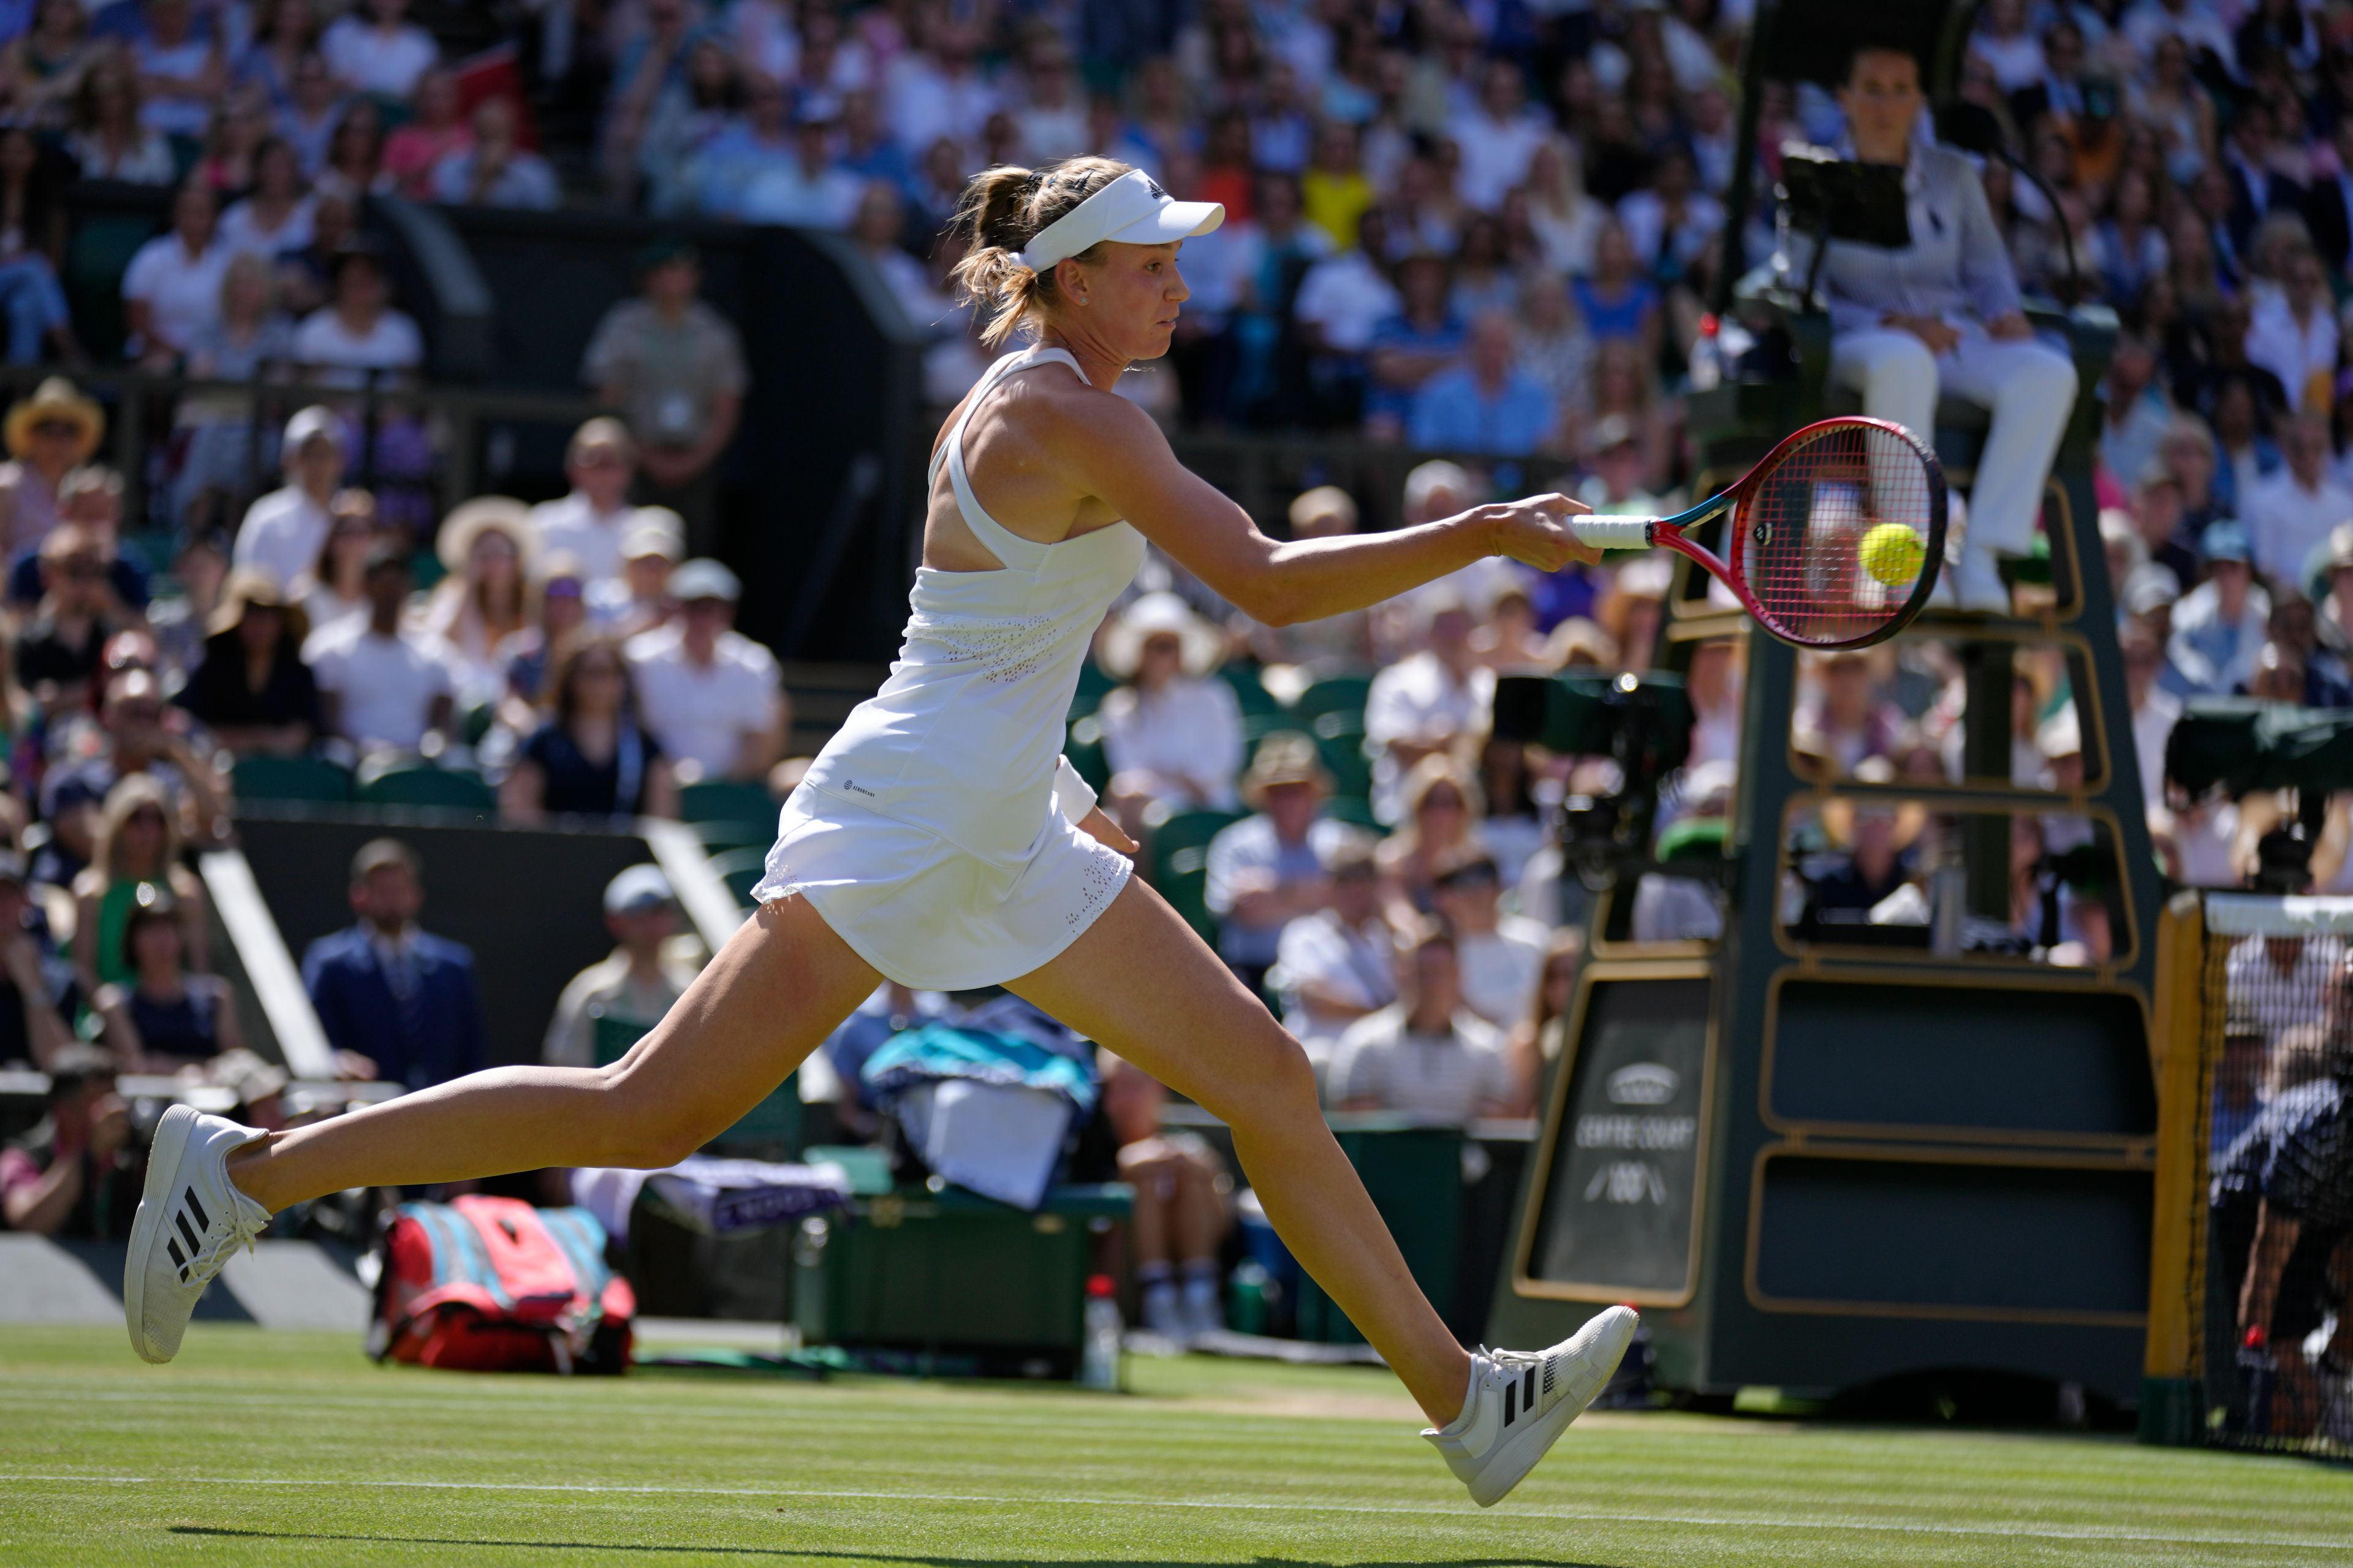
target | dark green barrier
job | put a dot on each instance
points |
(952, 1275)
(1414, 1175)
(530, 902)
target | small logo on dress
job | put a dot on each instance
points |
(854, 788)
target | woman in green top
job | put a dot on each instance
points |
(138, 842)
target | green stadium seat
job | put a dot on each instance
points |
(727, 835)
(1093, 687)
(727, 800)
(1177, 847)
(291, 778)
(1344, 757)
(741, 868)
(1261, 713)
(1354, 810)
(421, 784)
(1084, 747)
(96, 259)
(1342, 694)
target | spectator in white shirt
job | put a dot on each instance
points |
(941, 94)
(2136, 415)
(1424, 703)
(652, 545)
(1433, 490)
(2285, 981)
(1427, 1056)
(2289, 514)
(1671, 222)
(181, 74)
(1498, 956)
(111, 140)
(276, 218)
(283, 530)
(1497, 139)
(2219, 627)
(2292, 332)
(637, 981)
(1173, 732)
(1049, 116)
(810, 190)
(496, 170)
(1343, 298)
(712, 696)
(307, 118)
(1339, 963)
(2192, 21)
(589, 521)
(1267, 869)
(172, 288)
(2154, 710)
(333, 587)
(375, 48)
(357, 331)
(381, 687)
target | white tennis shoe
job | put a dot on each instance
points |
(1522, 1401)
(190, 1220)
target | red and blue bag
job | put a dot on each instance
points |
(484, 1284)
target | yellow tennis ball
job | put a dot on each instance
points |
(1891, 553)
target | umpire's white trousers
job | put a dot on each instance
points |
(2029, 386)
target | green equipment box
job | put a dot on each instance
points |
(964, 1282)
(1414, 1175)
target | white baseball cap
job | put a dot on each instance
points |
(1132, 210)
(311, 424)
(638, 888)
(703, 578)
(653, 530)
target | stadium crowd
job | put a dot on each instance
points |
(1485, 231)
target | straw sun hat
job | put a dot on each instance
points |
(1156, 615)
(1285, 757)
(486, 514)
(55, 399)
(250, 587)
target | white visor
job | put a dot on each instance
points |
(1132, 210)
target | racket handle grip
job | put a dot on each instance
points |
(1606, 533)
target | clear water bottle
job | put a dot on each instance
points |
(1099, 1356)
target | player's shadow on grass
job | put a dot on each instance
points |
(915, 1560)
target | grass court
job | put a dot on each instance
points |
(282, 1448)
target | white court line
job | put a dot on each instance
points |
(2089, 1534)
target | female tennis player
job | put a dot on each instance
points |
(940, 841)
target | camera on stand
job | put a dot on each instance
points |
(1641, 723)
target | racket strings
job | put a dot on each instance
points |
(1834, 535)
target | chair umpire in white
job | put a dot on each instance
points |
(1942, 315)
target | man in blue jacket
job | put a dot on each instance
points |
(401, 999)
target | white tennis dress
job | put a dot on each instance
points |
(937, 832)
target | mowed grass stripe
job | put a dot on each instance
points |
(1214, 1505)
(241, 1441)
(1993, 1463)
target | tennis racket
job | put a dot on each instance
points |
(1795, 533)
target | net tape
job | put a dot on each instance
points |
(2254, 914)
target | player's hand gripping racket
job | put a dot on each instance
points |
(1832, 541)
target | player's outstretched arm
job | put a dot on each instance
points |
(1121, 457)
